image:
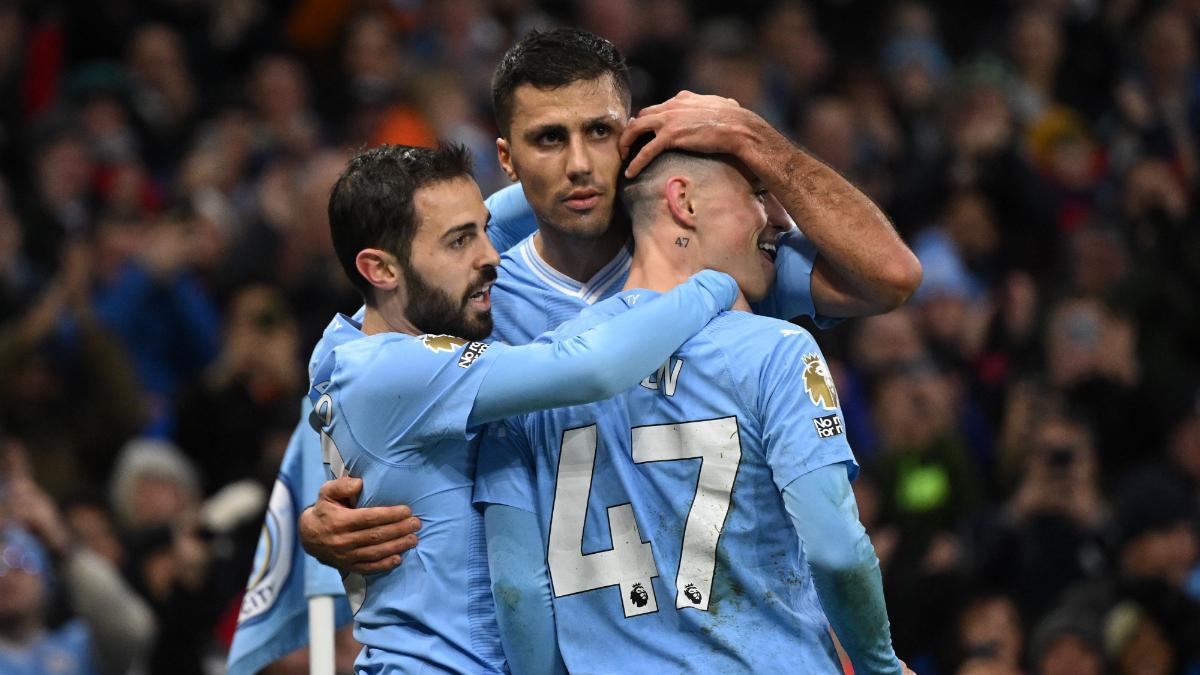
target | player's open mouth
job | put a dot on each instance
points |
(582, 200)
(482, 299)
(767, 249)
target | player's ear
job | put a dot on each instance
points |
(379, 268)
(680, 193)
(504, 154)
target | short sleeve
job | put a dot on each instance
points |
(404, 392)
(504, 474)
(791, 294)
(512, 217)
(803, 426)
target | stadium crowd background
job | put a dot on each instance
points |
(1028, 424)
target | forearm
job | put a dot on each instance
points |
(521, 588)
(605, 360)
(844, 566)
(864, 258)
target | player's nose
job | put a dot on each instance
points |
(579, 159)
(777, 217)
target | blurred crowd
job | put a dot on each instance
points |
(1028, 424)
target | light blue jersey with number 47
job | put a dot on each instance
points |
(668, 545)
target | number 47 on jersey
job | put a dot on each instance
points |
(630, 562)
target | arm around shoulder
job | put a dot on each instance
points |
(604, 360)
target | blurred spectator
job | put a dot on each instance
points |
(730, 66)
(236, 421)
(74, 396)
(1148, 621)
(61, 208)
(797, 55)
(1064, 644)
(165, 96)
(990, 636)
(187, 557)
(279, 95)
(1092, 359)
(1035, 46)
(1050, 533)
(148, 297)
(105, 628)
(1159, 100)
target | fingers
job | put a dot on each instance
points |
(634, 131)
(344, 520)
(689, 99)
(374, 550)
(374, 566)
(651, 150)
(387, 552)
(345, 490)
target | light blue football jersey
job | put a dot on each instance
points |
(669, 548)
(394, 410)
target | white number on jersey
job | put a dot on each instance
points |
(630, 562)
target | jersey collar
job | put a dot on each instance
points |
(589, 291)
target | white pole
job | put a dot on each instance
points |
(320, 635)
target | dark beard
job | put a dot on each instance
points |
(434, 312)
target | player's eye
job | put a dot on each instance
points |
(600, 131)
(549, 138)
(761, 194)
(460, 241)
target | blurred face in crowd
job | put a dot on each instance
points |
(1036, 41)
(562, 146)
(1070, 655)
(1167, 553)
(828, 132)
(159, 500)
(887, 341)
(452, 264)
(1145, 651)
(991, 626)
(1064, 451)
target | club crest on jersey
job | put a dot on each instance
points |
(442, 343)
(818, 384)
(692, 594)
(638, 595)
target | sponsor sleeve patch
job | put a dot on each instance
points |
(828, 426)
(472, 352)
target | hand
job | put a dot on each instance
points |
(907, 670)
(704, 124)
(362, 541)
(28, 503)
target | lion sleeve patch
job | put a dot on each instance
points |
(818, 384)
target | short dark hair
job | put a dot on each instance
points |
(552, 59)
(371, 204)
(639, 190)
